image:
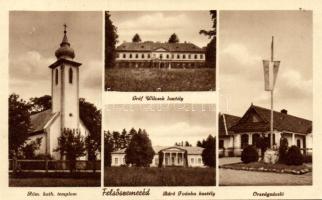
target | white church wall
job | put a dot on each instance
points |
(118, 160)
(71, 106)
(54, 133)
(56, 90)
(195, 161)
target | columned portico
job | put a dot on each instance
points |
(173, 157)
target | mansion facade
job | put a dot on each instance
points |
(159, 55)
(171, 156)
(235, 133)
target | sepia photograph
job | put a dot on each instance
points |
(265, 122)
(148, 51)
(159, 145)
(55, 70)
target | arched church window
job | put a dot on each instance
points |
(56, 76)
(70, 75)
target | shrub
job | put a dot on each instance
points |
(282, 150)
(249, 154)
(307, 159)
(294, 156)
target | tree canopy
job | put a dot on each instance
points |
(173, 38)
(19, 123)
(110, 41)
(139, 152)
(136, 38)
(209, 153)
(39, 104)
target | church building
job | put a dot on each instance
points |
(64, 113)
(235, 133)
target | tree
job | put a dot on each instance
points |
(39, 104)
(139, 152)
(282, 150)
(262, 142)
(71, 145)
(208, 154)
(29, 149)
(110, 41)
(211, 46)
(136, 38)
(91, 117)
(187, 144)
(173, 39)
(19, 123)
(108, 148)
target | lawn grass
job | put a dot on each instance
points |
(150, 79)
(171, 176)
(265, 167)
(35, 179)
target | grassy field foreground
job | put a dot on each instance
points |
(150, 79)
(172, 176)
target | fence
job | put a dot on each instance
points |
(54, 165)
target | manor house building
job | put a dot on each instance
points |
(159, 55)
(235, 133)
(170, 156)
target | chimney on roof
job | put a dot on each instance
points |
(284, 111)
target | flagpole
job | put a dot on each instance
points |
(272, 100)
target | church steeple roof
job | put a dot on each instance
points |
(65, 51)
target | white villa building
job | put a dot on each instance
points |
(159, 55)
(172, 156)
(235, 133)
(64, 113)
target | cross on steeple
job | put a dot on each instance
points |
(65, 27)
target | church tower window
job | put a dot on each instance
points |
(56, 76)
(70, 75)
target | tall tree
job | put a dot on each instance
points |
(139, 152)
(211, 46)
(19, 123)
(71, 145)
(29, 148)
(108, 148)
(209, 153)
(110, 41)
(136, 38)
(39, 104)
(173, 38)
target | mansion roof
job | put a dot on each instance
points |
(149, 46)
(190, 150)
(226, 121)
(258, 119)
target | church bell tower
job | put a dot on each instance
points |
(65, 85)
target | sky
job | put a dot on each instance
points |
(244, 41)
(165, 124)
(159, 25)
(34, 38)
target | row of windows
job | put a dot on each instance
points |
(179, 56)
(193, 160)
(70, 76)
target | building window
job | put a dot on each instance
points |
(136, 55)
(178, 56)
(189, 56)
(255, 138)
(124, 55)
(172, 56)
(192, 160)
(149, 56)
(117, 55)
(130, 55)
(142, 55)
(201, 56)
(56, 76)
(298, 143)
(183, 56)
(70, 75)
(167, 56)
(160, 56)
(196, 56)
(221, 144)
(199, 160)
(116, 160)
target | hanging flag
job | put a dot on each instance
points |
(270, 73)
